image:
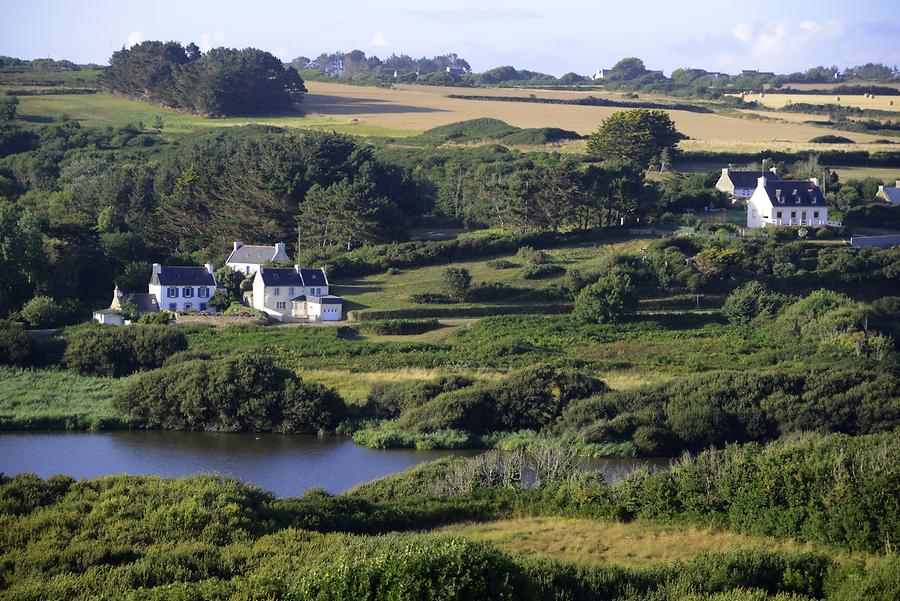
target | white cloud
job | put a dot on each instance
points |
(379, 40)
(208, 41)
(134, 37)
(773, 44)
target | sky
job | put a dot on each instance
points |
(551, 36)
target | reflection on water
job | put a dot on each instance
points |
(285, 464)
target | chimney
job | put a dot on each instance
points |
(897, 184)
(157, 268)
(774, 170)
(814, 180)
(725, 170)
(279, 248)
(881, 189)
(210, 267)
(297, 268)
(237, 245)
(761, 181)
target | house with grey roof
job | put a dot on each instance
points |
(124, 303)
(247, 258)
(782, 202)
(740, 185)
(295, 294)
(889, 194)
(182, 288)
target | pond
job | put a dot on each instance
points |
(285, 464)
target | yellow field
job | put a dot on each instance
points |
(882, 103)
(633, 544)
(423, 107)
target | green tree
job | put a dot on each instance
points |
(751, 300)
(607, 300)
(43, 312)
(135, 277)
(221, 300)
(8, 106)
(638, 135)
(15, 344)
(344, 214)
(229, 282)
(456, 281)
(627, 69)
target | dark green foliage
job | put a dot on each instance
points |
(43, 312)
(479, 130)
(221, 82)
(8, 107)
(389, 400)
(398, 327)
(531, 255)
(752, 300)
(108, 351)
(15, 344)
(456, 282)
(638, 135)
(831, 139)
(540, 272)
(607, 300)
(527, 399)
(236, 393)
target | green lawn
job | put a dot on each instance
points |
(392, 291)
(36, 399)
(101, 110)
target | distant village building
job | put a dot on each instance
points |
(247, 258)
(741, 185)
(755, 73)
(780, 202)
(141, 302)
(182, 288)
(889, 194)
(457, 70)
(600, 74)
(295, 294)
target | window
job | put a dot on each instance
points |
(203, 306)
(188, 306)
(247, 270)
(172, 292)
(815, 214)
(203, 292)
(793, 214)
(187, 292)
(778, 214)
(276, 291)
(279, 305)
(173, 306)
(291, 292)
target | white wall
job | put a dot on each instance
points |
(758, 206)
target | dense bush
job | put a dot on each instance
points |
(540, 272)
(607, 300)
(750, 301)
(390, 399)
(531, 255)
(15, 344)
(236, 393)
(108, 351)
(398, 327)
(44, 312)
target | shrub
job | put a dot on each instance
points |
(831, 139)
(236, 393)
(456, 282)
(105, 351)
(501, 264)
(398, 327)
(390, 399)
(531, 255)
(159, 318)
(752, 300)
(607, 300)
(15, 344)
(429, 298)
(540, 272)
(43, 312)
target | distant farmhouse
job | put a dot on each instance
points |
(247, 258)
(141, 302)
(295, 294)
(600, 74)
(182, 288)
(741, 185)
(755, 73)
(889, 194)
(780, 202)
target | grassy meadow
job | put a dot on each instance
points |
(633, 544)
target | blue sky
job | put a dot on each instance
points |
(553, 36)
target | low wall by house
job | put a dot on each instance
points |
(217, 320)
(875, 241)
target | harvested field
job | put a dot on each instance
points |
(423, 107)
(881, 103)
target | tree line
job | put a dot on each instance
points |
(220, 82)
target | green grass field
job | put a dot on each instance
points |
(38, 399)
(101, 110)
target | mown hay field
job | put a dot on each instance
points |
(423, 107)
(776, 101)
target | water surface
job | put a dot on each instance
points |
(285, 464)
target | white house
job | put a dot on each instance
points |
(295, 294)
(889, 194)
(741, 185)
(144, 302)
(246, 258)
(600, 74)
(777, 202)
(182, 288)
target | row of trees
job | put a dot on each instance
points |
(221, 82)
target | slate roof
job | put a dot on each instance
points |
(749, 179)
(795, 194)
(328, 299)
(183, 276)
(146, 303)
(313, 277)
(253, 255)
(280, 276)
(893, 195)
